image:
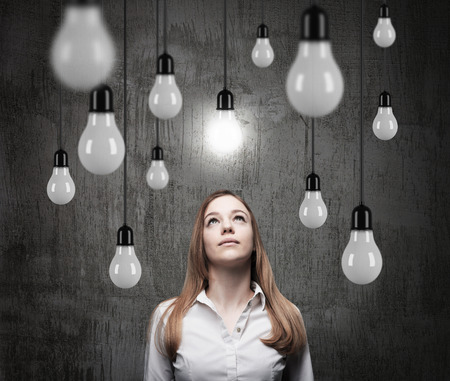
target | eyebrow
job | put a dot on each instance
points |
(232, 212)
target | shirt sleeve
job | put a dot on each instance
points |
(157, 366)
(298, 366)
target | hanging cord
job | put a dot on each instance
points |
(225, 44)
(312, 144)
(60, 88)
(361, 115)
(157, 55)
(262, 11)
(125, 110)
(165, 26)
(384, 70)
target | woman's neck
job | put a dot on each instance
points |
(229, 288)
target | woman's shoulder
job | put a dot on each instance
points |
(161, 308)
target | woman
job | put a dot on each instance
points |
(230, 321)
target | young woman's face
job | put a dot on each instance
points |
(227, 232)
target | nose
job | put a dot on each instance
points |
(227, 229)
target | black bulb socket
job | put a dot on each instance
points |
(361, 218)
(314, 25)
(125, 236)
(165, 64)
(313, 182)
(385, 99)
(225, 100)
(101, 99)
(157, 153)
(61, 159)
(83, 3)
(384, 11)
(263, 31)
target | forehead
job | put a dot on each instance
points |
(224, 204)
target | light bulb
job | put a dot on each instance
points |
(224, 132)
(385, 124)
(313, 211)
(314, 84)
(165, 98)
(384, 32)
(60, 187)
(101, 148)
(82, 53)
(262, 54)
(125, 269)
(361, 261)
(157, 175)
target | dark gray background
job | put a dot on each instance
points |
(60, 315)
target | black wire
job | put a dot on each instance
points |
(60, 90)
(157, 55)
(312, 144)
(165, 26)
(262, 11)
(384, 70)
(361, 115)
(125, 110)
(225, 44)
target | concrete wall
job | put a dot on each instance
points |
(61, 318)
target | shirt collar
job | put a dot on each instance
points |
(202, 298)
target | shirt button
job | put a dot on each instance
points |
(239, 330)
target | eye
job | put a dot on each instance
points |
(239, 218)
(212, 221)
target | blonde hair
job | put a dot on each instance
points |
(288, 333)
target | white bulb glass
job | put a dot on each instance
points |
(313, 212)
(362, 261)
(101, 148)
(385, 124)
(224, 133)
(165, 99)
(384, 32)
(125, 269)
(262, 54)
(82, 53)
(157, 175)
(60, 187)
(314, 84)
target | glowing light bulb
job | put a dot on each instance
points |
(60, 187)
(101, 148)
(82, 53)
(385, 124)
(157, 175)
(313, 211)
(384, 32)
(125, 269)
(314, 84)
(165, 98)
(224, 132)
(262, 54)
(361, 261)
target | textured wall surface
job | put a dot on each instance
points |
(61, 318)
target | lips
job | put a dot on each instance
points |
(228, 241)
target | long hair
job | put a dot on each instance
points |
(288, 333)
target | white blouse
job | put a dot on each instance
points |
(208, 352)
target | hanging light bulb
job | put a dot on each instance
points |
(262, 54)
(313, 212)
(125, 269)
(157, 175)
(60, 187)
(384, 32)
(224, 132)
(361, 261)
(314, 84)
(101, 148)
(385, 124)
(165, 99)
(82, 53)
